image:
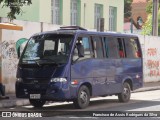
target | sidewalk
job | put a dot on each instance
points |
(13, 101)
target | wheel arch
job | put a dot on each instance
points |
(87, 84)
(129, 81)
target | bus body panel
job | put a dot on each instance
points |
(103, 76)
(133, 70)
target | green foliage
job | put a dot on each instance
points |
(147, 27)
(15, 7)
(127, 8)
(149, 6)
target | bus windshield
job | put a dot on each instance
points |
(47, 49)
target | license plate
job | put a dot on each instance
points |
(35, 96)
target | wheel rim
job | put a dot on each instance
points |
(83, 97)
(126, 93)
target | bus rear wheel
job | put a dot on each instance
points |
(126, 93)
(83, 99)
(37, 103)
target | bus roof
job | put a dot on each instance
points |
(80, 30)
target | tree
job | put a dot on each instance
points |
(15, 7)
(147, 27)
(127, 8)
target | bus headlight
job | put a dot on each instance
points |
(19, 79)
(58, 80)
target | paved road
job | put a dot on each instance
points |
(141, 103)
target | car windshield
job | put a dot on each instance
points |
(47, 49)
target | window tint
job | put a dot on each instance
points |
(98, 48)
(111, 47)
(132, 48)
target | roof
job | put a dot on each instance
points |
(10, 26)
(83, 31)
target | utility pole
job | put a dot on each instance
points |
(155, 18)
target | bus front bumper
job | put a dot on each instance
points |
(52, 92)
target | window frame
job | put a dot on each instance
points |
(97, 15)
(93, 46)
(90, 47)
(138, 47)
(75, 13)
(112, 18)
(54, 18)
(104, 47)
(123, 47)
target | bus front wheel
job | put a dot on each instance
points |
(37, 103)
(126, 93)
(83, 99)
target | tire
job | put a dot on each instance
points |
(83, 99)
(126, 93)
(37, 103)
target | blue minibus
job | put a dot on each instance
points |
(73, 64)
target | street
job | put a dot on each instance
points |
(141, 102)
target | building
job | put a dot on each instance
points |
(138, 17)
(139, 9)
(84, 13)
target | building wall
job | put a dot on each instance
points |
(151, 58)
(40, 11)
(87, 14)
(44, 11)
(120, 13)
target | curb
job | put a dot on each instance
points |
(146, 89)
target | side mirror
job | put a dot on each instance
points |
(20, 44)
(80, 50)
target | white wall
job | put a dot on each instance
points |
(151, 54)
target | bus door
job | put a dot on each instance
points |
(113, 63)
(99, 67)
(81, 68)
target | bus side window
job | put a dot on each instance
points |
(121, 48)
(132, 48)
(98, 47)
(85, 41)
(111, 48)
(86, 45)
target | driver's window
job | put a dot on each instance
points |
(85, 42)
